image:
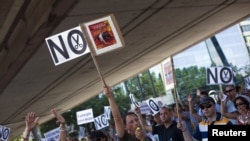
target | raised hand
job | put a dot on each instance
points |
(59, 117)
(107, 91)
(181, 125)
(198, 92)
(61, 120)
(31, 120)
(189, 98)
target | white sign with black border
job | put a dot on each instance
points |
(4, 133)
(101, 122)
(153, 105)
(107, 111)
(67, 45)
(134, 100)
(219, 75)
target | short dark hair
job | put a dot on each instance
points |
(73, 135)
(204, 93)
(97, 134)
(167, 108)
(128, 114)
(180, 106)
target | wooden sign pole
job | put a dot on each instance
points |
(98, 69)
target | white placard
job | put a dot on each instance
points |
(67, 45)
(107, 111)
(219, 75)
(152, 104)
(82, 132)
(101, 122)
(168, 74)
(52, 135)
(144, 108)
(4, 133)
(224, 97)
(247, 82)
(84, 116)
(134, 100)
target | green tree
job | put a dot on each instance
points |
(189, 79)
(146, 85)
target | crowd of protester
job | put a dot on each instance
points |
(176, 122)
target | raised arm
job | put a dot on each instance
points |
(224, 111)
(61, 120)
(119, 125)
(35, 135)
(31, 121)
(183, 128)
(142, 121)
(191, 108)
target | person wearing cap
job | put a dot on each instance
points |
(127, 128)
(211, 117)
(242, 103)
(198, 114)
(98, 135)
(214, 95)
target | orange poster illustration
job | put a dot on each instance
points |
(102, 34)
(168, 73)
(168, 77)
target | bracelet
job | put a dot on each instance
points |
(62, 129)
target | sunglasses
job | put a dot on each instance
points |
(239, 104)
(228, 91)
(205, 106)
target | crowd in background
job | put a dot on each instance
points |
(186, 120)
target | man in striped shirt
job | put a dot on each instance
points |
(211, 117)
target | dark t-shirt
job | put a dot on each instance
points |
(128, 137)
(172, 133)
